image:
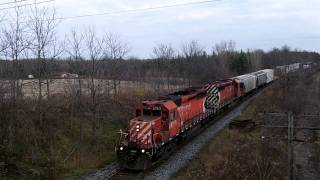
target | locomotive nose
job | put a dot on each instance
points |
(140, 132)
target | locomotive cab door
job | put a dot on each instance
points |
(174, 123)
(165, 125)
(165, 121)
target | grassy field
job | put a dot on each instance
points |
(30, 87)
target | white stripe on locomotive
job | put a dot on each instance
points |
(143, 131)
(212, 100)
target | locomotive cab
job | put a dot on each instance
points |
(154, 124)
(152, 127)
(158, 125)
(162, 117)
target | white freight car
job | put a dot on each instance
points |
(247, 82)
(261, 77)
(270, 75)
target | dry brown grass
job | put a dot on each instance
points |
(30, 88)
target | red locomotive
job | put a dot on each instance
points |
(160, 124)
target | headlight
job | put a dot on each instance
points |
(137, 130)
(121, 148)
(143, 151)
(138, 126)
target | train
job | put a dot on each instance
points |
(286, 69)
(160, 124)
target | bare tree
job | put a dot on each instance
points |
(255, 60)
(225, 47)
(163, 54)
(190, 51)
(13, 43)
(43, 26)
(3, 46)
(74, 47)
(94, 49)
(225, 52)
(114, 49)
(164, 51)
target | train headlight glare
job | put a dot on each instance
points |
(137, 130)
(121, 148)
(143, 151)
(137, 126)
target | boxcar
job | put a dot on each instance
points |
(281, 70)
(270, 74)
(261, 78)
(247, 83)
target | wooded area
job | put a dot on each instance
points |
(46, 134)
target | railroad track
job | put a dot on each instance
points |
(120, 175)
(106, 173)
(113, 171)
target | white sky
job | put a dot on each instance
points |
(251, 23)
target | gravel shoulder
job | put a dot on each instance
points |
(104, 173)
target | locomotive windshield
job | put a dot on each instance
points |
(151, 112)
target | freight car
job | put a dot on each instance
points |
(248, 83)
(285, 69)
(159, 124)
(261, 78)
(270, 75)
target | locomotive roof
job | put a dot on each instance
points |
(258, 73)
(187, 91)
(245, 76)
(175, 99)
(168, 104)
(223, 82)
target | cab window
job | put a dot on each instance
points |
(149, 112)
(138, 112)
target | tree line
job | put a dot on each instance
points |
(53, 133)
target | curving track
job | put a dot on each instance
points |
(180, 158)
(105, 173)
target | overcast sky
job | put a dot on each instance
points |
(250, 23)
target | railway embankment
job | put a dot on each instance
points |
(179, 159)
(257, 148)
